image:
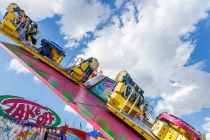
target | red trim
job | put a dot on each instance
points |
(77, 132)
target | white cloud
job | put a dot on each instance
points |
(77, 16)
(154, 54)
(36, 9)
(150, 50)
(69, 109)
(15, 65)
(206, 127)
(119, 3)
(89, 127)
(80, 16)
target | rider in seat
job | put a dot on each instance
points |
(127, 95)
(8, 24)
(31, 31)
(85, 69)
(18, 25)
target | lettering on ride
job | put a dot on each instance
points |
(24, 110)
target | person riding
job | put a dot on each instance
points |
(32, 32)
(10, 16)
(20, 16)
(27, 28)
(20, 23)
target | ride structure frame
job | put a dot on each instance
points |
(85, 103)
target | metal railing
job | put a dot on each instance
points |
(17, 26)
(77, 62)
(138, 97)
(147, 109)
(139, 101)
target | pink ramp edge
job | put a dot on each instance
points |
(104, 121)
(180, 123)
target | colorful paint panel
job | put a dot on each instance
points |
(103, 88)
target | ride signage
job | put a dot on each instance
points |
(14, 107)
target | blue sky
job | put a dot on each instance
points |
(198, 30)
(202, 41)
(25, 86)
(31, 90)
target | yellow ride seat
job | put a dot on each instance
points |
(171, 135)
(117, 101)
(84, 66)
(94, 64)
(9, 19)
(77, 71)
(119, 88)
(120, 76)
(56, 56)
(183, 134)
(8, 24)
(10, 16)
(182, 137)
(80, 71)
(179, 129)
(11, 7)
(77, 77)
(160, 129)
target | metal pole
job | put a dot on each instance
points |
(134, 104)
(17, 27)
(128, 97)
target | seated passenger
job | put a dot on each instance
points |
(20, 18)
(33, 33)
(28, 21)
(85, 69)
(27, 29)
(10, 16)
(94, 64)
(20, 23)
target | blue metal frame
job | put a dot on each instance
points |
(53, 45)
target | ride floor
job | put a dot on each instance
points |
(89, 106)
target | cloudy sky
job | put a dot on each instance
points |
(163, 44)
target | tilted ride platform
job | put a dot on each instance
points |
(77, 96)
